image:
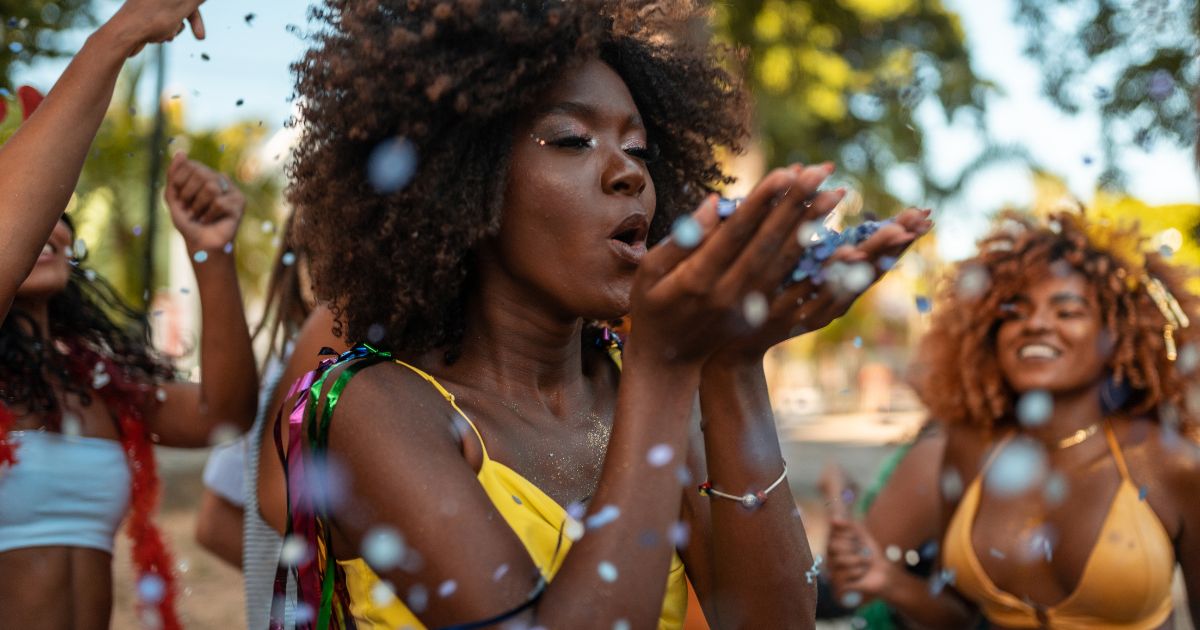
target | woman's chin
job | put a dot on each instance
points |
(40, 288)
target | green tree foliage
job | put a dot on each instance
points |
(29, 29)
(1134, 60)
(112, 197)
(840, 80)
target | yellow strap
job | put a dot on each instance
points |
(450, 399)
(1115, 447)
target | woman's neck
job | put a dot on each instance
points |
(38, 312)
(516, 346)
(1070, 412)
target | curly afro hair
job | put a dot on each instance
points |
(957, 374)
(451, 79)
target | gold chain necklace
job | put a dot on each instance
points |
(1077, 437)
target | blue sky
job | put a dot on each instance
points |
(249, 62)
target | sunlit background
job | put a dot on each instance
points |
(964, 106)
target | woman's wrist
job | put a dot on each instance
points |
(215, 264)
(733, 364)
(659, 357)
(116, 37)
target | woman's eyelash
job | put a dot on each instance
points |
(575, 142)
(648, 153)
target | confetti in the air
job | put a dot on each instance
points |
(812, 574)
(686, 232)
(293, 552)
(604, 516)
(392, 165)
(151, 589)
(1020, 464)
(607, 571)
(755, 309)
(660, 455)
(383, 548)
(1034, 408)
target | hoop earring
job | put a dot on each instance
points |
(1114, 395)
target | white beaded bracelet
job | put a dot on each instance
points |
(749, 500)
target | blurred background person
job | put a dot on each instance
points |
(1056, 488)
(229, 520)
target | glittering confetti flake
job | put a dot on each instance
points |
(607, 571)
(814, 572)
(604, 516)
(294, 551)
(941, 580)
(755, 309)
(686, 232)
(1018, 466)
(392, 165)
(151, 589)
(660, 455)
(1034, 408)
(383, 548)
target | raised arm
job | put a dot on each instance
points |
(207, 209)
(40, 164)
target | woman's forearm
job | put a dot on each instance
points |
(40, 164)
(228, 377)
(760, 555)
(913, 598)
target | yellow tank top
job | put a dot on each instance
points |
(535, 518)
(1126, 582)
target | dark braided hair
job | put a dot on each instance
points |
(452, 78)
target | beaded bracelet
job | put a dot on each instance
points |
(749, 500)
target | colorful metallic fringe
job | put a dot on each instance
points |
(323, 603)
(322, 599)
(124, 398)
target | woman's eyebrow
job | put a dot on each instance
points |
(586, 112)
(1069, 297)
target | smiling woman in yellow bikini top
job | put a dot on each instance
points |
(1126, 582)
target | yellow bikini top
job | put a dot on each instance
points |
(1126, 582)
(535, 518)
